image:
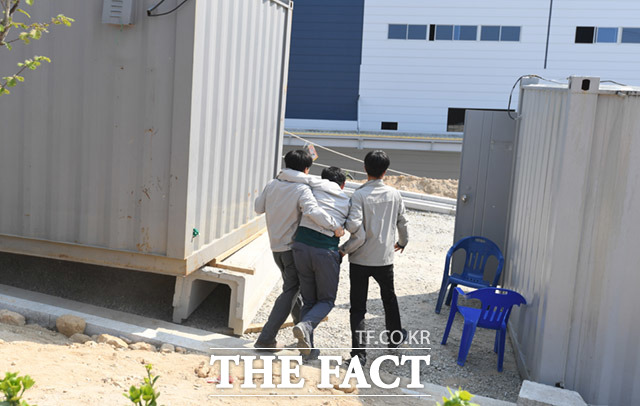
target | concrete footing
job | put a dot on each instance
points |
(537, 394)
(248, 291)
(44, 309)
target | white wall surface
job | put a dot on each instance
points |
(414, 82)
(573, 239)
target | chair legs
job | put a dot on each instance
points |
(501, 342)
(452, 315)
(465, 342)
(451, 288)
(443, 291)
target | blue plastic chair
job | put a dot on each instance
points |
(478, 251)
(493, 314)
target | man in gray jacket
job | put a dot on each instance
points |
(378, 209)
(284, 203)
(315, 251)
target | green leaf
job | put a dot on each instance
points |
(464, 395)
(27, 381)
(29, 2)
(24, 12)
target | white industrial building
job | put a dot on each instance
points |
(423, 62)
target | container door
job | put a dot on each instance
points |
(485, 178)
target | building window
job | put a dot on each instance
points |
(490, 33)
(510, 34)
(465, 32)
(444, 32)
(417, 32)
(453, 32)
(455, 120)
(397, 31)
(631, 35)
(585, 35)
(591, 35)
(389, 125)
(499, 33)
(607, 34)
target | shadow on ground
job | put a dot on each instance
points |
(142, 293)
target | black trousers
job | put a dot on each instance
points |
(359, 277)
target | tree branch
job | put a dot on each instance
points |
(3, 86)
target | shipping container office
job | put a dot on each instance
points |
(143, 145)
(573, 238)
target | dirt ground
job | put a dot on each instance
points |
(81, 374)
(437, 187)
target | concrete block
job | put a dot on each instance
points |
(38, 306)
(537, 394)
(248, 292)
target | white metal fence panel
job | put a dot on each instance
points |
(573, 233)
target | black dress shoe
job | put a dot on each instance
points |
(391, 344)
(269, 347)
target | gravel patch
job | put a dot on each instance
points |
(418, 274)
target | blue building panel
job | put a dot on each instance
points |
(324, 66)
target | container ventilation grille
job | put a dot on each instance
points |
(120, 12)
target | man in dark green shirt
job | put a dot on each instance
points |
(318, 260)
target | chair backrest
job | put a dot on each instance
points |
(478, 251)
(496, 305)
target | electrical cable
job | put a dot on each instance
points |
(150, 10)
(614, 82)
(340, 153)
(516, 84)
(548, 80)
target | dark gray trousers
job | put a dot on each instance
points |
(289, 300)
(319, 274)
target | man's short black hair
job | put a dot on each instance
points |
(298, 160)
(376, 163)
(334, 174)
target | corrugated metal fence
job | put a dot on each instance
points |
(573, 239)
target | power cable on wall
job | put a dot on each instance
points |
(516, 84)
(341, 154)
(150, 10)
(547, 80)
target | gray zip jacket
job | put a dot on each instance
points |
(284, 203)
(379, 209)
(332, 199)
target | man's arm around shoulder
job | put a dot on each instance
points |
(308, 205)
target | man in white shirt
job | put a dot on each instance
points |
(378, 209)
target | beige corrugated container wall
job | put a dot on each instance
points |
(574, 237)
(136, 135)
